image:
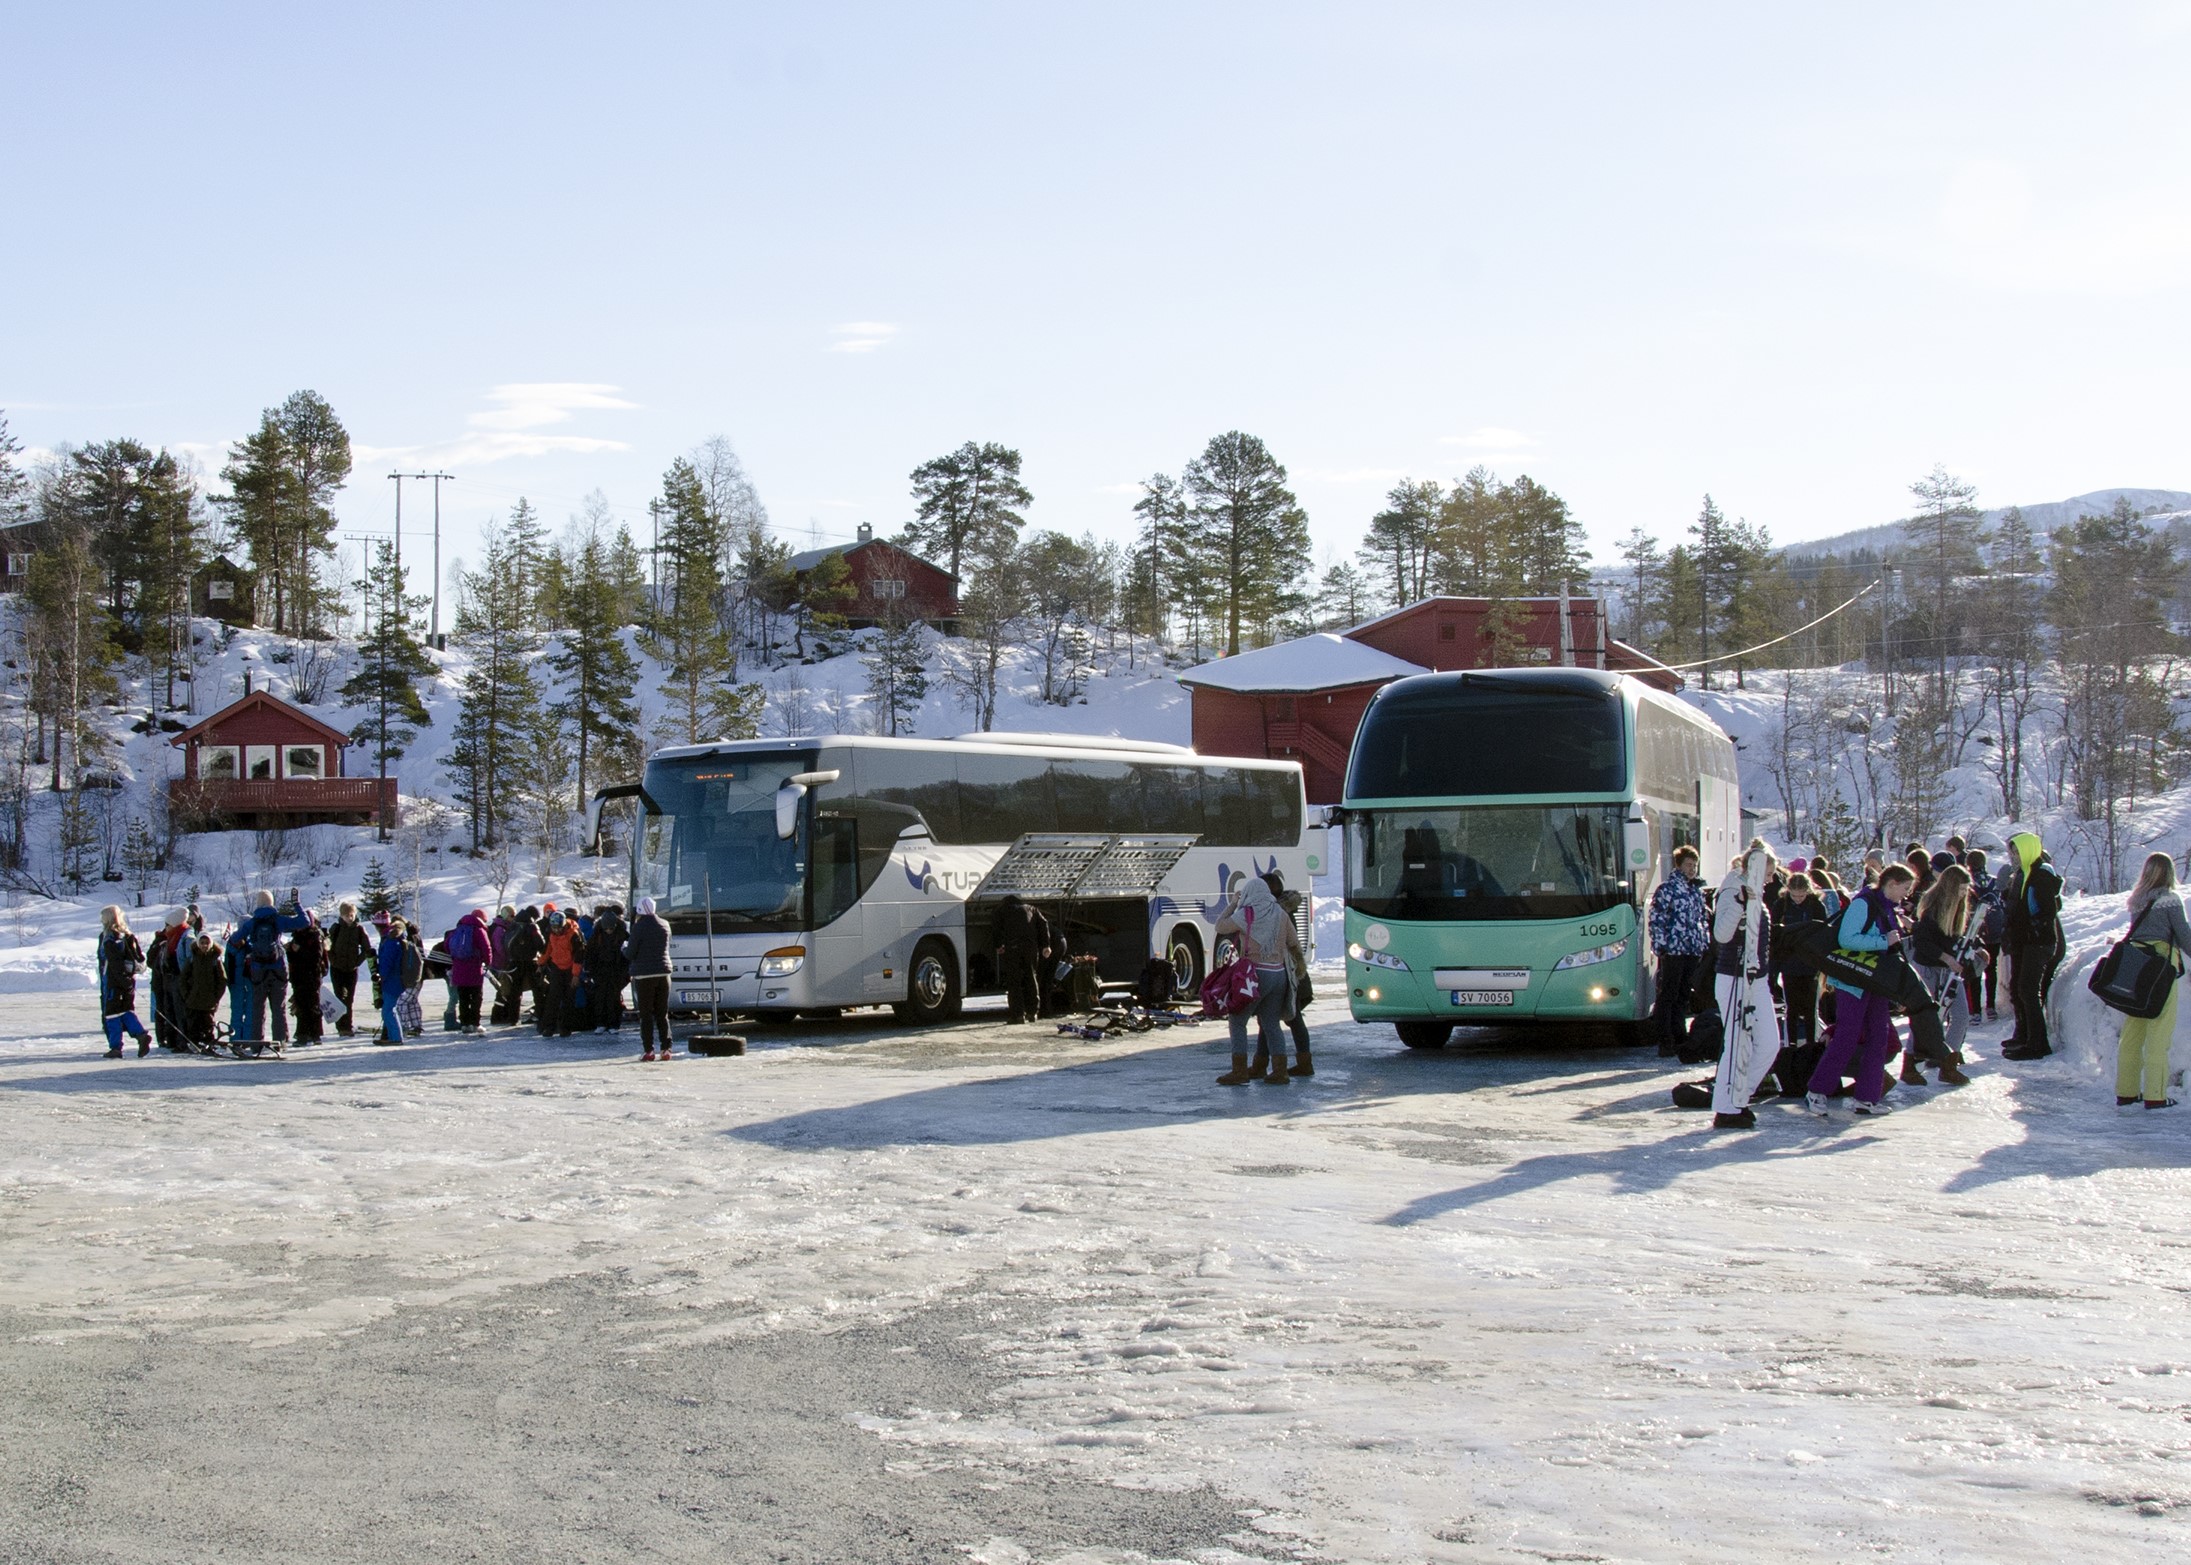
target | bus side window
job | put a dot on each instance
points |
(1171, 798)
(835, 865)
(1225, 813)
(1003, 797)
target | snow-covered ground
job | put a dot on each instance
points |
(1496, 1303)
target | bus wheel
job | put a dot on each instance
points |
(1185, 955)
(932, 985)
(1424, 1035)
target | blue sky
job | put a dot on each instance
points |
(1792, 257)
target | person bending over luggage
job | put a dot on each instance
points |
(1872, 922)
(1024, 942)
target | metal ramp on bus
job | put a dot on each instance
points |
(1054, 866)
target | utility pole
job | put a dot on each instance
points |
(399, 478)
(654, 600)
(433, 634)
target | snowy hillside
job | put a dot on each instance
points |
(2043, 519)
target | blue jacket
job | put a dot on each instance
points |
(1678, 924)
(1862, 928)
(389, 960)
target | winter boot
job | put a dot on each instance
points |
(1238, 1076)
(1278, 1076)
(1302, 1064)
(1951, 1074)
(1911, 1075)
(1259, 1067)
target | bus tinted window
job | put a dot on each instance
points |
(1002, 797)
(1171, 800)
(1094, 795)
(923, 781)
(1273, 809)
(1479, 739)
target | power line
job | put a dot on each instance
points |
(1728, 657)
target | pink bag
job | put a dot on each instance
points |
(1231, 990)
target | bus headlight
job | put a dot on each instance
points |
(1369, 958)
(1591, 957)
(783, 961)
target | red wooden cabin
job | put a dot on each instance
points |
(262, 762)
(889, 583)
(1302, 700)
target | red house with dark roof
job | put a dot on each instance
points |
(889, 583)
(1302, 700)
(261, 762)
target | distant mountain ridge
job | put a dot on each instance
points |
(2043, 518)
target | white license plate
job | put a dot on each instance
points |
(1483, 996)
(696, 997)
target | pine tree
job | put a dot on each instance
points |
(1550, 546)
(501, 693)
(1405, 539)
(1709, 560)
(391, 667)
(969, 503)
(14, 482)
(375, 893)
(1476, 555)
(599, 708)
(281, 480)
(706, 700)
(531, 564)
(1162, 510)
(818, 602)
(70, 644)
(897, 676)
(1943, 547)
(1247, 524)
(1646, 563)
(1345, 599)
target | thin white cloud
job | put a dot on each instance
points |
(512, 428)
(1132, 488)
(860, 336)
(1490, 438)
(530, 404)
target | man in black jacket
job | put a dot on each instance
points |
(1023, 940)
(605, 966)
(348, 944)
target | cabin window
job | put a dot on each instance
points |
(302, 760)
(886, 587)
(258, 762)
(219, 761)
(18, 565)
(220, 591)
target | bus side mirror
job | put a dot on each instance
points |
(787, 810)
(1635, 850)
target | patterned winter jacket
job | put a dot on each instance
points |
(1678, 919)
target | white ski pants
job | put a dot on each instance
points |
(1753, 1041)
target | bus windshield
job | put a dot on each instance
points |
(715, 842)
(1483, 735)
(1488, 861)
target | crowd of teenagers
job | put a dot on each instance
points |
(268, 968)
(1953, 915)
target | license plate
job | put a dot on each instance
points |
(696, 997)
(1483, 996)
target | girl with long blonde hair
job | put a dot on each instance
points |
(2157, 922)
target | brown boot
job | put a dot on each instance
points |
(1302, 1064)
(1238, 1076)
(1911, 1075)
(1278, 1076)
(1951, 1074)
(1259, 1067)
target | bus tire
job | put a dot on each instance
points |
(932, 990)
(1424, 1035)
(1184, 952)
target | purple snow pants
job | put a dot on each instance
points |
(1860, 1021)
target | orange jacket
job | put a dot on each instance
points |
(565, 950)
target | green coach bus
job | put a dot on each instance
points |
(1504, 831)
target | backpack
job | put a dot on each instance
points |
(414, 966)
(262, 956)
(1155, 988)
(464, 944)
(2043, 899)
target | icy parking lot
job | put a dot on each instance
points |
(989, 1294)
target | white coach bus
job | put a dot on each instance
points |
(809, 875)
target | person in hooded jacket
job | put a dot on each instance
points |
(605, 970)
(307, 967)
(120, 957)
(1269, 941)
(388, 966)
(560, 968)
(470, 947)
(1799, 904)
(165, 959)
(2034, 930)
(646, 958)
(266, 966)
(349, 946)
(203, 986)
(240, 999)
(2157, 923)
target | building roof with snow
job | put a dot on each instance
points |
(1307, 663)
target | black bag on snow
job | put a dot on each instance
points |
(1705, 1040)
(1693, 1095)
(1155, 987)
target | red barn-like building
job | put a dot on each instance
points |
(1302, 700)
(889, 583)
(262, 762)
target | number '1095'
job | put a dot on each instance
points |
(1600, 929)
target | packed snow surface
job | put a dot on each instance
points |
(1499, 1302)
